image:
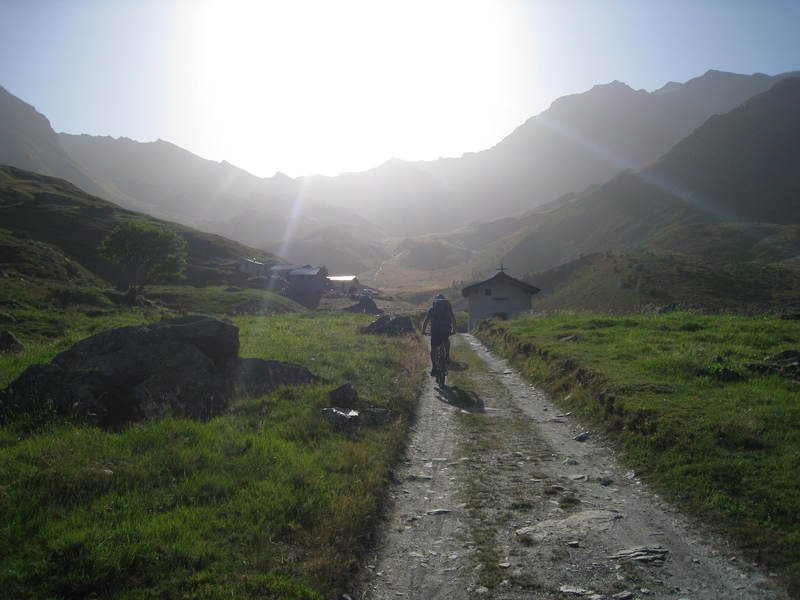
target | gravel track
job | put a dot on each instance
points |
(497, 499)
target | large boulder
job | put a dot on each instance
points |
(187, 366)
(9, 343)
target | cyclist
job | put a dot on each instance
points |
(443, 323)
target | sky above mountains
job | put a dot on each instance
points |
(309, 87)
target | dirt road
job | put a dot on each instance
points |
(498, 499)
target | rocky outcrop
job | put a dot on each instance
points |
(9, 343)
(391, 326)
(187, 365)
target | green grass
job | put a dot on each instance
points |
(672, 391)
(265, 501)
(221, 300)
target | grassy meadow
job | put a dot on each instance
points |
(265, 501)
(672, 392)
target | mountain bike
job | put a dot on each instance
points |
(440, 361)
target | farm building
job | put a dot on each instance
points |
(501, 297)
(345, 284)
(303, 280)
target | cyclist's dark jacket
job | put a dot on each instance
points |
(440, 327)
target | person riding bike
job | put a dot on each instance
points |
(443, 323)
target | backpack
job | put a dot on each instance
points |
(440, 309)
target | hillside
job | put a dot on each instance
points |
(342, 249)
(631, 282)
(737, 167)
(28, 141)
(57, 213)
(167, 181)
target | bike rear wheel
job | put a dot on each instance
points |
(440, 365)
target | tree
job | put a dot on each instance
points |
(147, 252)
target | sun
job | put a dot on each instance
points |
(336, 86)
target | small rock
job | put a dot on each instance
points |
(9, 343)
(575, 591)
(582, 436)
(482, 590)
(341, 417)
(438, 511)
(626, 595)
(574, 544)
(504, 565)
(419, 477)
(569, 461)
(556, 487)
(644, 554)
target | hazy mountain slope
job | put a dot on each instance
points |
(342, 250)
(54, 211)
(171, 182)
(580, 140)
(740, 167)
(27, 141)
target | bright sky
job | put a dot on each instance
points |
(325, 86)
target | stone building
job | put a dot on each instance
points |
(501, 297)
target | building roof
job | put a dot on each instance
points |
(305, 271)
(501, 277)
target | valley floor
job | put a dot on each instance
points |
(497, 499)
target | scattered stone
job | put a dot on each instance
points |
(644, 554)
(574, 544)
(569, 461)
(605, 481)
(341, 418)
(419, 477)
(346, 396)
(391, 326)
(482, 590)
(565, 414)
(186, 365)
(372, 416)
(579, 478)
(556, 487)
(575, 591)
(504, 565)
(582, 436)
(630, 475)
(6, 318)
(366, 305)
(626, 595)
(575, 525)
(569, 338)
(9, 344)
(438, 511)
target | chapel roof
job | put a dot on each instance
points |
(501, 277)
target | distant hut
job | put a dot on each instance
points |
(345, 284)
(501, 297)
